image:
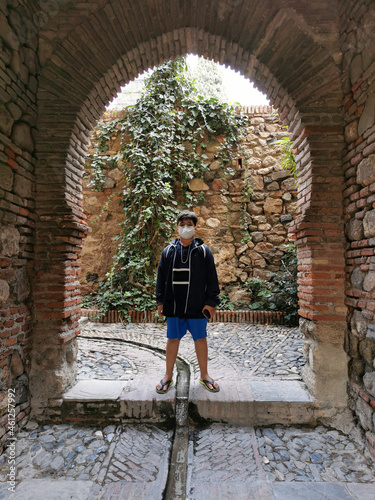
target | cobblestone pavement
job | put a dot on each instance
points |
(225, 462)
(247, 457)
(130, 454)
(254, 350)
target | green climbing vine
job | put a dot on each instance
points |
(288, 161)
(164, 140)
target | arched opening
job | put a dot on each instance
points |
(80, 75)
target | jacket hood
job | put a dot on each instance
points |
(197, 242)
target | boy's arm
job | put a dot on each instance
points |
(212, 284)
(160, 281)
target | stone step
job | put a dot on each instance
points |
(239, 402)
(114, 401)
(253, 402)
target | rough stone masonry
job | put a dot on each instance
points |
(62, 61)
(257, 201)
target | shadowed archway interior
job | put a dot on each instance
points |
(315, 67)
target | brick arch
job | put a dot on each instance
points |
(289, 55)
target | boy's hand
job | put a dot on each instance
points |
(160, 310)
(210, 309)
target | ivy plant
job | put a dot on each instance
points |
(288, 161)
(280, 292)
(164, 138)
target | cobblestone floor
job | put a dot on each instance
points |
(229, 462)
(103, 456)
(257, 350)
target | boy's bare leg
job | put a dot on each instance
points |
(170, 360)
(201, 351)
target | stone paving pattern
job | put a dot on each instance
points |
(225, 462)
(252, 350)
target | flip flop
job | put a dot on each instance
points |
(211, 382)
(168, 383)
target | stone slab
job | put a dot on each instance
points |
(116, 400)
(132, 491)
(265, 490)
(280, 390)
(360, 491)
(309, 491)
(54, 489)
(254, 402)
(96, 390)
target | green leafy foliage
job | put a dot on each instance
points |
(279, 293)
(164, 140)
(288, 161)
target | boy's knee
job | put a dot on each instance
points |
(173, 341)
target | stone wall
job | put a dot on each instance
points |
(358, 39)
(259, 201)
(59, 68)
(19, 68)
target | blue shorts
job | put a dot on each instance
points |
(177, 328)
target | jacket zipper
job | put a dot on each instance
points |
(174, 300)
(188, 290)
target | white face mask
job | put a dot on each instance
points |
(186, 232)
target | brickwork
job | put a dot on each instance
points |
(19, 70)
(60, 65)
(358, 38)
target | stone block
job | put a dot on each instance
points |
(328, 388)
(273, 205)
(4, 292)
(367, 350)
(238, 294)
(274, 186)
(366, 171)
(288, 184)
(269, 161)
(369, 282)
(257, 236)
(116, 174)
(16, 365)
(354, 230)
(364, 412)
(280, 175)
(21, 136)
(212, 222)
(351, 132)
(356, 278)
(369, 383)
(331, 332)
(6, 175)
(356, 69)
(264, 247)
(359, 324)
(367, 118)
(7, 34)
(109, 183)
(254, 209)
(9, 241)
(275, 239)
(369, 224)
(198, 185)
(22, 186)
(286, 218)
(20, 286)
(215, 165)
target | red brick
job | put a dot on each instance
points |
(12, 164)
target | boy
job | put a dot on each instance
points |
(187, 292)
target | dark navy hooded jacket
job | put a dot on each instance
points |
(203, 288)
